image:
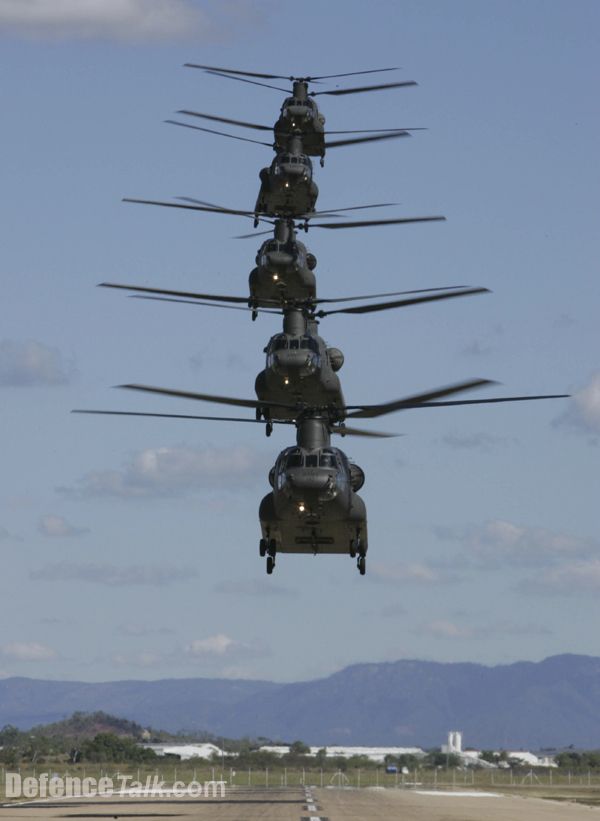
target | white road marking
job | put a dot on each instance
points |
(463, 794)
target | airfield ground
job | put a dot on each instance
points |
(306, 804)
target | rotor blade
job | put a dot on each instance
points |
(493, 400)
(225, 210)
(255, 234)
(216, 119)
(212, 69)
(220, 133)
(338, 92)
(167, 292)
(344, 431)
(190, 207)
(207, 397)
(402, 303)
(373, 130)
(206, 304)
(372, 139)
(352, 73)
(333, 212)
(390, 293)
(334, 225)
(415, 401)
(174, 416)
(253, 82)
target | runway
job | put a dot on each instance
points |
(311, 804)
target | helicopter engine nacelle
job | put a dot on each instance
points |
(336, 358)
(357, 477)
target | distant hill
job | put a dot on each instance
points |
(87, 725)
(555, 702)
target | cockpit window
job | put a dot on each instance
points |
(312, 460)
(327, 460)
(294, 460)
(309, 344)
(293, 344)
(280, 343)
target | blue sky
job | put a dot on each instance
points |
(130, 547)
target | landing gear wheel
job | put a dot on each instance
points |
(270, 564)
(272, 548)
(269, 428)
(262, 548)
(362, 565)
(352, 549)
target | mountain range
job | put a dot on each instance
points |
(532, 705)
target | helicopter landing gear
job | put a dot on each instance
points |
(269, 428)
(254, 314)
(314, 543)
(322, 162)
(361, 563)
(262, 548)
(271, 549)
(353, 548)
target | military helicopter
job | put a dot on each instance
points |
(299, 112)
(314, 506)
(299, 220)
(300, 366)
(287, 187)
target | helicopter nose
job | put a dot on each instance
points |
(312, 479)
(300, 363)
(279, 259)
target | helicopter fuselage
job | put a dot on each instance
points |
(300, 115)
(284, 271)
(300, 369)
(313, 507)
(287, 187)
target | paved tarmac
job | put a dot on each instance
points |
(312, 804)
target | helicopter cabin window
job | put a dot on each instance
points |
(294, 344)
(327, 459)
(294, 460)
(310, 344)
(312, 460)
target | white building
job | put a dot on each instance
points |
(186, 751)
(376, 754)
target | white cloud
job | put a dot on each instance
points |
(105, 19)
(570, 579)
(213, 645)
(27, 651)
(113, 575)
(56, 527)
(173, 471)
(583, 413)
(409, 573)
(32, 364)
(446, 629)
(498, 541)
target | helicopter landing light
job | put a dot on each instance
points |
(301, 507)
(286, 381)
(275, 277)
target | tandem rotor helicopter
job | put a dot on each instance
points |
(299, 114)
(313, 506)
